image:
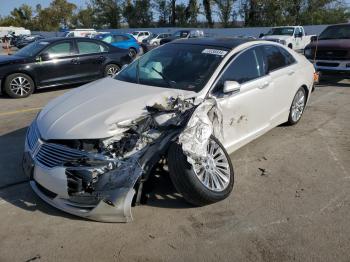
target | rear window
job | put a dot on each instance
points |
(86, 47)
(274, 58)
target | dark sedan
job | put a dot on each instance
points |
(59, 61)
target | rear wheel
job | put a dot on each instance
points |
(19, 85)
(111, 70)
(132, 52)
(297, 107)
(205, 182)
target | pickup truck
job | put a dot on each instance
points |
(292, 36)
(330, 52)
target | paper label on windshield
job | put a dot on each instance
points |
(214, 52)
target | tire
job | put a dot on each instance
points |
(298, 106)
(290, 46)
(19, 85)
(132, 52)
(111, 70)
(189, 184)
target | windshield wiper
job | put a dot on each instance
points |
(168, 81)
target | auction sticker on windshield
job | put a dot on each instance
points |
(214, 52)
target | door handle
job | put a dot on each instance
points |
(264, 85)
(291, 72)
(75, 61)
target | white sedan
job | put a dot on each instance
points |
(187, 104)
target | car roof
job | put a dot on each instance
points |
(225, 42)
(55, 39)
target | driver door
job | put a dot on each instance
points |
(60, 66)
(247, 111)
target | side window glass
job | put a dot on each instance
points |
(288, 57)
(246, 67)
(86, 47)
(274, 58)
(59, 50)
(108, 39)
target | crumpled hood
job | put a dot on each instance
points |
(89, 111)
(280, 37)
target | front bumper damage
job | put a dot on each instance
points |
(105, 192)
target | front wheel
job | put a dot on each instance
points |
(19, 85)
(297, 107)
(203, 182)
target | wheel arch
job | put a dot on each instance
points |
(17, 72)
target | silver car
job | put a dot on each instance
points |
(187, 105)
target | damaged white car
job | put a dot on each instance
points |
(188, 104)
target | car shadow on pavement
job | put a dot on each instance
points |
(332, 81)
(15, 188)
(160, 192)
(14, 185)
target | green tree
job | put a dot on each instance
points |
(84, 18)
(207, 4)
(225, 9)
(192, 12)
(107, 13)
(138, 13)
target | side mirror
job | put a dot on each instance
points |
(44, 57)
(313, 38)
(231, 87)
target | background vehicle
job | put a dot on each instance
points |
(80, 33)
(24, 41)
(191, 101)
(59, 61)
(125, 41)
(184, 34)
(292, 36)
(7, 30)
(140, 35)
(156, 40)
(330, 53)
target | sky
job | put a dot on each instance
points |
(6, 6)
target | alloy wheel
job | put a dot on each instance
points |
(214, 172)
(112, 71)
(298, 105)
(20, 86)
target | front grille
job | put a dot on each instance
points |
(33, 135)
(327, 64)
(48, 154)
(52, 155)
(332, 54)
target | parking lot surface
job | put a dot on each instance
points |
(291, 200)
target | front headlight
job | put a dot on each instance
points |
(283, 42)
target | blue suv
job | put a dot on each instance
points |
(124, 41)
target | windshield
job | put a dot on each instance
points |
(336, 32)
(178, 66)
(32, 49)
(281, 31)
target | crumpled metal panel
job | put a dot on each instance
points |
(206, 121)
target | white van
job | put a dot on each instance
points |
(7, 30)
(80, 33)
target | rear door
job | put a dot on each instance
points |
(61, 65)
(92, 57)
(282, 68)
(246, 113)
